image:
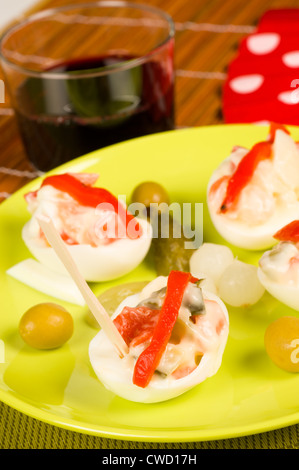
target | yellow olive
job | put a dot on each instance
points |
(282, 343)
(150, 192)
(46, 326)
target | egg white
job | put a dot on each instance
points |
(285, 293)
(259, 237)
(96, 264)
(279, 275)
(116, 373)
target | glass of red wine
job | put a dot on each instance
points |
(85, 76)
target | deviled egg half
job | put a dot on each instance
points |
(278, 269)
(105, 241)
(254, 192)
(176, 334)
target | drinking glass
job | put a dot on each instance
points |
(85, 76)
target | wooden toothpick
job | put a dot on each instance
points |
(92, 301)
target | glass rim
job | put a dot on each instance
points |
(101, 71)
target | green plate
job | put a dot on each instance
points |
(248, 394)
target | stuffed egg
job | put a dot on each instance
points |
(176, 334)
(104, 239)
(279, 267)
(255, 192)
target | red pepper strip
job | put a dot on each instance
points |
(149, 359)
(243, 174)
(289, 232)
(91, 197)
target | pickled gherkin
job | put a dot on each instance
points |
(169, 252)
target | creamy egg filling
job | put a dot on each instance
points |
(196, 332)
(76, 224)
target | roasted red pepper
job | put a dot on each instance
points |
(85, 195)
(92, 197)
(149, 359)
(244, 171)
(289, 232)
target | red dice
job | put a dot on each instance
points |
(263, 79)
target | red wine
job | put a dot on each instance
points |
(62, 119)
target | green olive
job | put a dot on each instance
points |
(46, 326)
(150, 192)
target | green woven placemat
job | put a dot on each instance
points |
(18, 431)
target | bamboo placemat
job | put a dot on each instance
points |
(208, 33)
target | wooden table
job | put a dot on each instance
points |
(207, 35)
